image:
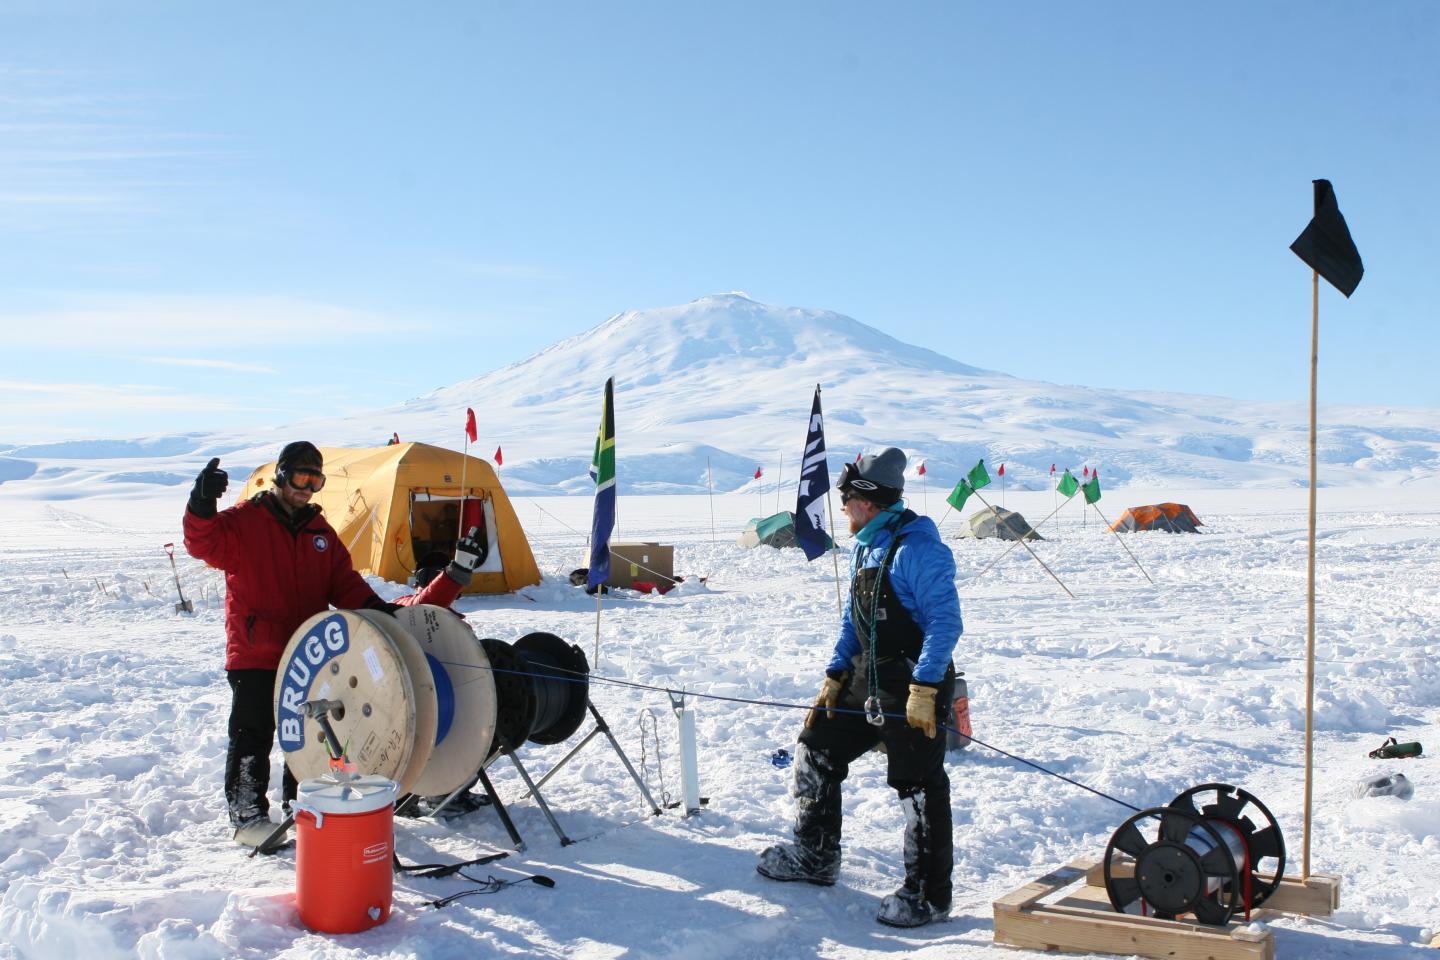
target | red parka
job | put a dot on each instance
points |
(442, 591)
(279, 571)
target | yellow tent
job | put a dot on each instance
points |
(395, 504)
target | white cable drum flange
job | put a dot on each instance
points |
(341, 655)
(465, 688)
(422, 685)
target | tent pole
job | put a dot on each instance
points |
(1105, 520)
(1310, 578)
(1022, 543)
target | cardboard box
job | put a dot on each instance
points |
(646, 562)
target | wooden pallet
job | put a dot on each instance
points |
(1049, 915)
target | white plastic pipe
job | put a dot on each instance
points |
(689, 762)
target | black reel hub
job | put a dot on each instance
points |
(1212, 852)
(542, 688)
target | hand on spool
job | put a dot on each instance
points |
(385, 606)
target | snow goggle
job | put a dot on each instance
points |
(305, 478)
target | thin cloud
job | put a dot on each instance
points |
(112, 400)
(209, 364)
(189, 322)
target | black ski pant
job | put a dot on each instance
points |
(915, 770)
(252, 734)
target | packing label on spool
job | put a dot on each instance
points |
(377, 672)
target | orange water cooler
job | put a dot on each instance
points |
(344, 842)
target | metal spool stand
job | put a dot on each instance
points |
(542, 699)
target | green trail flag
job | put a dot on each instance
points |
(978, 477)
(1068, 485)
(1092, 489)
(959, 495)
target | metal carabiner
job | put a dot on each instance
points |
(873, 714)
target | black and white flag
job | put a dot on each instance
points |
(814, 482)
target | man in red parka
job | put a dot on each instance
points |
(283, 563)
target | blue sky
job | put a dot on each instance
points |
(216, 216)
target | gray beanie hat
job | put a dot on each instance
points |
(879, 478)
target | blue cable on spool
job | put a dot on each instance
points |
(444, 698)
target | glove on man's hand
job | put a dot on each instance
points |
(209, 485)
(471, 551)
(920, 708)
(385, 606)
(828, 696)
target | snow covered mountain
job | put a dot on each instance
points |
(726, 381)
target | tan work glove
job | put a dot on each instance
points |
(828, 696)
(920, 708)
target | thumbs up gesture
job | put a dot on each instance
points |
(209, 485)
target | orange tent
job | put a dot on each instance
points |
(1170, 517)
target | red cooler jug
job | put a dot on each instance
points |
(344, 841)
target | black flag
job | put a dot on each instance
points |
(814, 481)
(1326, 246)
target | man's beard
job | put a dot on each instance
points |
(856, 525)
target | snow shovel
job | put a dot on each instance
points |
(184, 606)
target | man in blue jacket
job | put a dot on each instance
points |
(890, 681)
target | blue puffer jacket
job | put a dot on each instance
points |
(922, 574)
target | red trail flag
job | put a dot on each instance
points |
(921, 471)
(757, 473)
(470, 430)
(499, 459)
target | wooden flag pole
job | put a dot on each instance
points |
(464, 462)
(779, 475)
(834, 553)
(1032, 553)
(710, 482)
(1310, 579)
(595, 660)
(1012, 546)
(1105, 520)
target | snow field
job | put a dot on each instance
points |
(113, 841)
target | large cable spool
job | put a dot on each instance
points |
(422, 700)
(1204, 854)
(464, 692)
(388, 713)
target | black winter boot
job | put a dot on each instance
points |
(925, 895)
(815, 855)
